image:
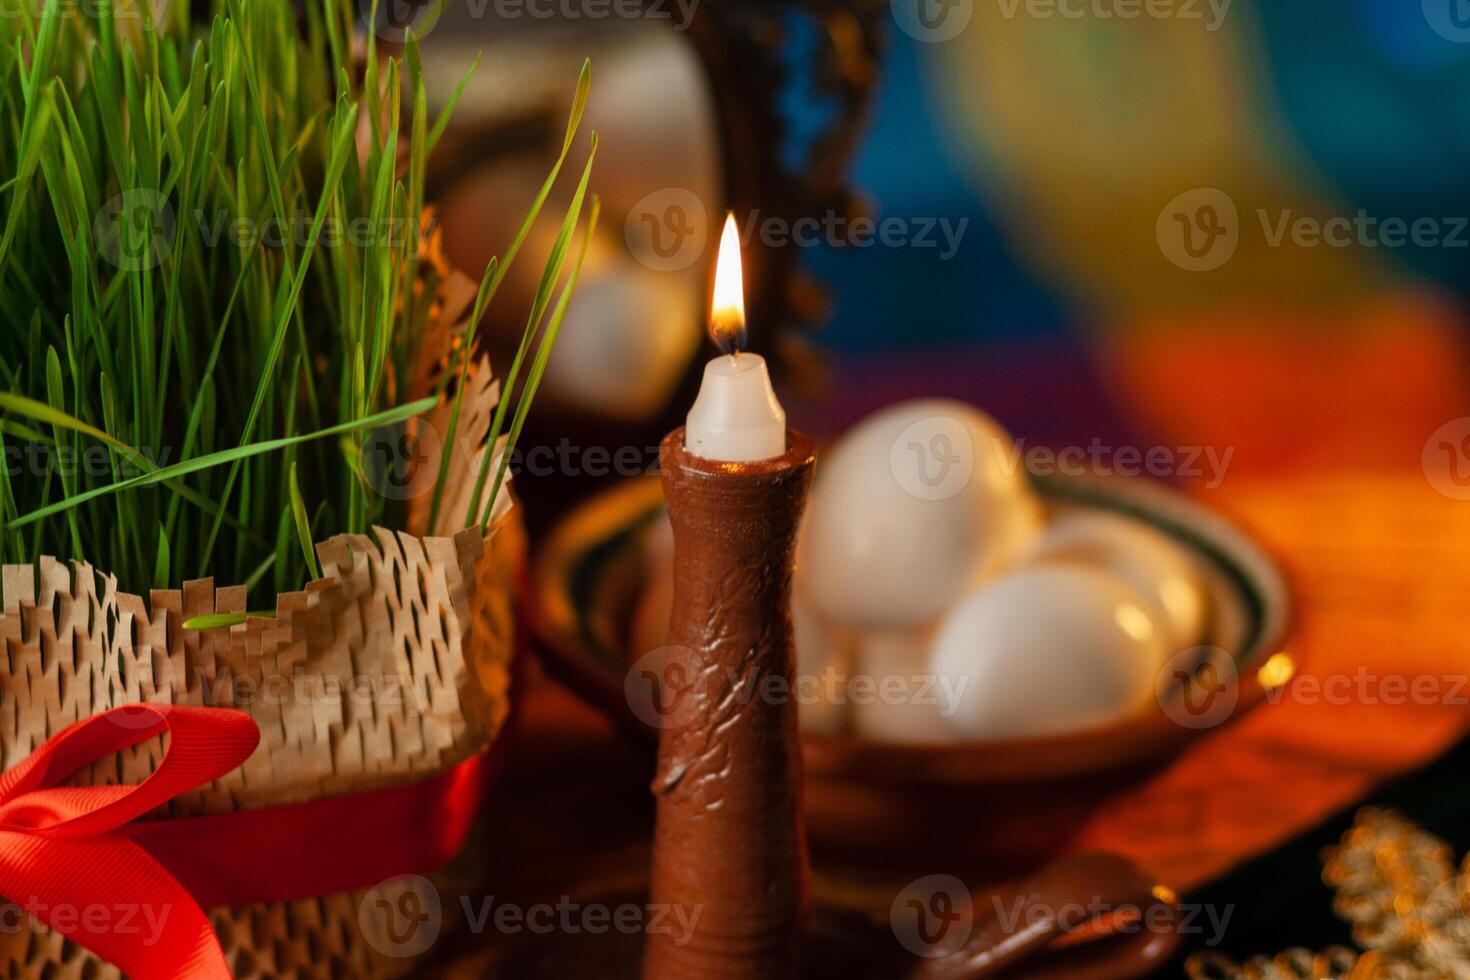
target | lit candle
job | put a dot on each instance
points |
(729, 838)
(736, 417)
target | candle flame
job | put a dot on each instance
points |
(727, 311)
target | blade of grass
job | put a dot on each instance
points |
(56, 396)
(538, 367)
(574, 122)
(303, 526)
(451, 435)
(442, 123)
(222, 457)
(549, 277)
(215, 621)
(59, 419)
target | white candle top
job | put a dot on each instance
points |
(736, 417)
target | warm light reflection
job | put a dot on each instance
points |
(1277, 671)
(1135, 622)
(727, 311)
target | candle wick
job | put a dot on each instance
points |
(735, 355)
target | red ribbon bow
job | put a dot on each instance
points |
(134, 893)
(61, 854)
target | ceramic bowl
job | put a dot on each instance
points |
(1013, 800)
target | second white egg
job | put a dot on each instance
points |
(1146, 560)
(1046, 649)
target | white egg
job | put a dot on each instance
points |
(1146, 560)
(914, 505)
(1047, 649)
(820, 671)
(893, 692)
(628, 337)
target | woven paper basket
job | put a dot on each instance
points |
(428, 617)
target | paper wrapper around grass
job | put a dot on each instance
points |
(421, 621)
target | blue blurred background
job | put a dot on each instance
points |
(1061, 139)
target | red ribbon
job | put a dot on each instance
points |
(69, 852)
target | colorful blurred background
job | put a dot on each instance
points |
(1235, 227)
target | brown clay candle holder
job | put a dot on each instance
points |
(729, 837)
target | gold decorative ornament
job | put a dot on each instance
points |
(1397, 887)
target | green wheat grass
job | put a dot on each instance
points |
(183, 392)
